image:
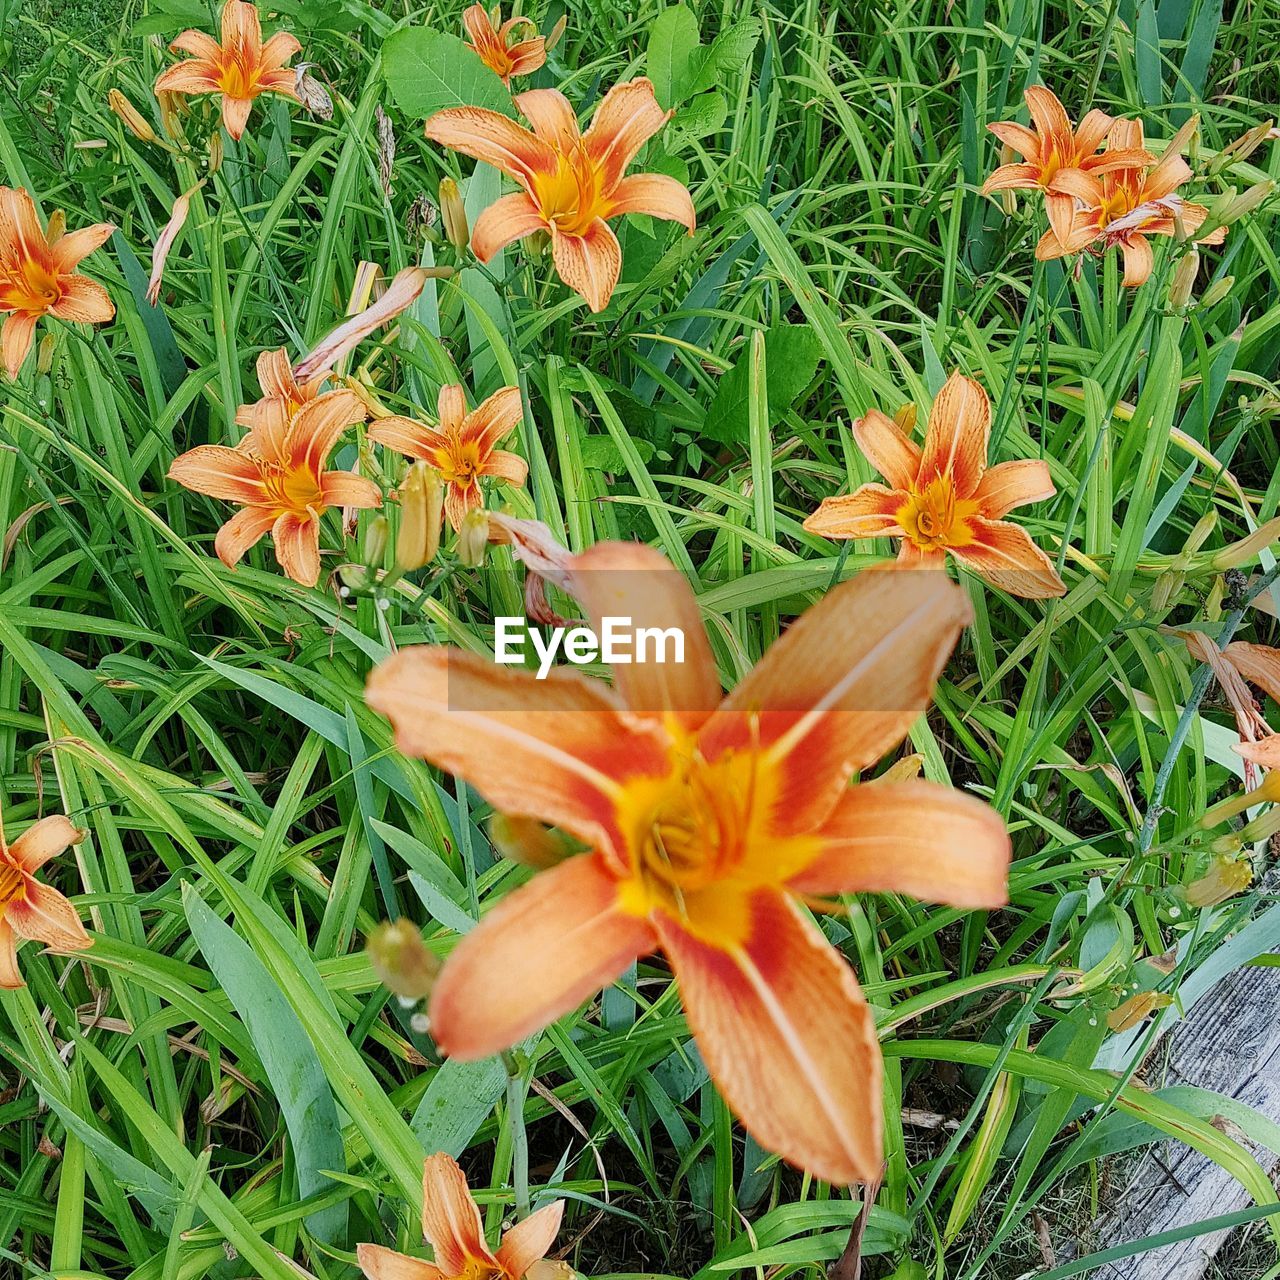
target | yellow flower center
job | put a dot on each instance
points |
(13, 884)
(238, 74)
(571, 198)
(28, 285)
(292, 489)
(459, 464)
(934, 517)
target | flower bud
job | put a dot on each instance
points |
(1247, 202)
(1215, 293)
(215, 152)
(44, 353)
(421, 515)
(906, 417)
(375, 542)
(171, 106)
(557, 33)
(130, 116)
(454, 214)
(1168, 587)
(1247, 549)
(473, 537)
(529, 842)
(1243, 147)
(1225, 878)
(1184, 279)
(1127, 1015)
(401, 960)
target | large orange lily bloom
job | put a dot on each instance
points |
(452, 1225)
(277, 380)
(37, 274)
(1056, 153)
(710, 820)
(29, 909)
(1122, 207)
(498, 50)
(572, 182)
(943, 499)
(463, 448)
(241, 68)
(276, 473)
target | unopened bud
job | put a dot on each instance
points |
(44, 353)
(171, 106)
(130, 116)
(454, 214)
(401, 960)
(529, 842)
(1247, 549)
(421, 515)
(557, 32)
(1184, 279)
(375, 542)
(1243, 147)
(1225, 878)
(1246, 202)
(1168, 587)
(215, 152)
(906, 417)
(1215, 293)
(473, 537)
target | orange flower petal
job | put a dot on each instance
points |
(16, 336)
(551, 116)
(316, 428)
(509, 218)
(870, 511)
(44, 840)
(1265, 753)
(19, 223)
(241, 30)
(275, 375)
(297, 542)
(278, 50)
(459, 499)
(1020, 138)
(631, 580)
(590, 263)
(527, 56)
(245, 529)
(450, 1216)
(451, 408)
(1139, 261)
(404, 435)
(530, 1240)
(164, 241)
(627, 117)
(199, 44)
(496, 418)
(787, 1037)
(44, 915)
(842, 686)
(539, 954)
(1048, 114)
(1258, 664)
(887, 448)
(557, 749)
(914, 837)
(504, 465)
(1004, 555)
(84, 301)
(493, 138)
(1061, 209)
(912, 557)
(1013, 484)
(10, 975)
(1012, 177)
(345, 489)
(1092, 130)
(955, 444)
(193, 76)
(655, 194)
(220, 472)
(235, 115)
(378, 1263)
(70, 250)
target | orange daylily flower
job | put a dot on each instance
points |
(241, 68)
(1236, 667)
(1057, 154)
(572, 182)
(29, 909)
(37, 274)
(452, 1225)
(276, 473)
(498, 50)
(463, 448)
(278, 382)
(1123, 206)
(709, 820)
(944, 499)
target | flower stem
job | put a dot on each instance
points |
(519, 1138)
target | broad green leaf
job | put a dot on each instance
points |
(428, 71)
(670, 57)
(792, 353)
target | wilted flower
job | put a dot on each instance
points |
(452, 1225)
(164, 241)
(277, 475)
(29, 909)
(463, 448)
(944, 500)
(1225, 878)
(1136, 1008)
(709, 820)
(313, 95)
(240, 68)
(572, 182)
(37, 274)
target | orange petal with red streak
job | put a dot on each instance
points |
(955, 444)
(870, 511)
